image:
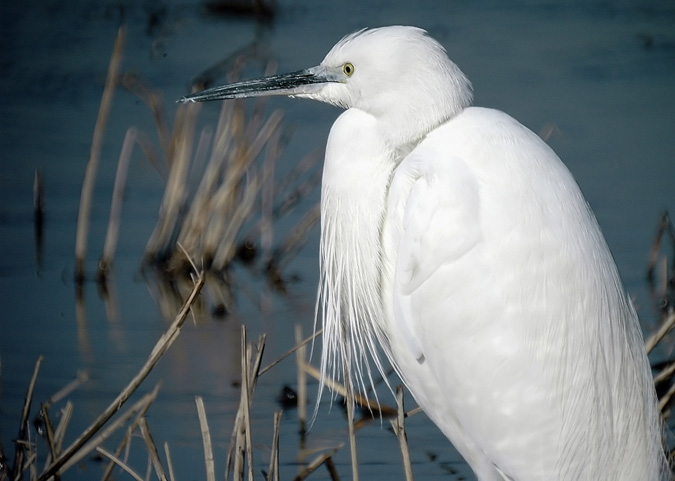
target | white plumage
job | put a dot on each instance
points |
(457, 240)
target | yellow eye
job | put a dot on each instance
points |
(348, 69)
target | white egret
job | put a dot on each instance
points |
(455, 238)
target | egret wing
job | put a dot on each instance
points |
(437, 224)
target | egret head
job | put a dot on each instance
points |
(398, 74)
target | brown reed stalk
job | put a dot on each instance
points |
(158, 351)
(169, 464)
(140, 408)
(95, 154)
(112, 234)
(141, 405)
(240, 443)
(235, 197)
(119, 462)
(398, 425)
(291, 351)
(31, 460)
(82, 325)
(273, 471)
(665, 373)
(246, 400)
(60, 432)
(197, 215)
(226, 247)
(360, 399)
(664, 329)
(160, 244)
(332, 470)
(316, 463)
(241, 423)
(22, 442)
(302, 382)
(80, 378)
(206, 440)
(665, 399)
(228, 191)
(152, 449)
(49, 431)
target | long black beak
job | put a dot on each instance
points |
(294, 83)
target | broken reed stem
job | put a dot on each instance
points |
(169, 464)
(22, 440)
(360, 399)
(241, 433)
(112, 235)
(665, 399)
(161, 240)
(140, 408)
(302, 382)
(49, 430)
(119, 462)
(206, 440)
(241, 421)
(225, 248)
(290, 351)
(158, 351)
(60, 433)
(665, 327)
(95, 154)
(665, 373)
(80, 378)
(31, 461)
(318, 461)
(152, 449)
(141, 405)
(399, 429)
(123, 446)
(232, 201)
(197, 215)
(273, 472)
(332, 470)
(246, 401)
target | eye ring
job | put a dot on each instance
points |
(348, 69)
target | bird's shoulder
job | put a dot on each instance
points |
(478, 198)
(436, 196)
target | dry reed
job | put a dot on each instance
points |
(95, 154)
(160, 348)
(206, 439)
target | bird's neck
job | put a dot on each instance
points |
(357, 172)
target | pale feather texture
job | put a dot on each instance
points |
(455, 239)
